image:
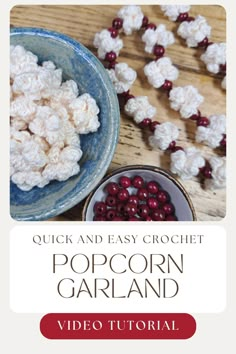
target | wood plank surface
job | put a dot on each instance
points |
(82, 22)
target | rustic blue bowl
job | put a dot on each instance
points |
(79, 64)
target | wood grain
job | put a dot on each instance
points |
(82, 22)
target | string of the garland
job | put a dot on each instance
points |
(188, 162)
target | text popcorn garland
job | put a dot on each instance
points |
(161, 73)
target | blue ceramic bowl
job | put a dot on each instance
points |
(79, 64)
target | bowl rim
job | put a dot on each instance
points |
(114, 103)
(127, 168)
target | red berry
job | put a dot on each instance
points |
(158, 51)
(111, 214)
(145, 21)
(143, 211)
(176, 148)
(182, 17)
(152, 203)
(112, 188)
(207, 171)
(168, 208)
(171, 218)
(196, 116)
(223, 141)
(203, 43)
(125, 182)
(142, 194)
(123, 195)
(151, 26)
(223, 67)
(133, 199)
(120, 207)
(145, 123)
(158, 215)
(128, 97)
(130, 209)
(190, 19)
(152, 187)
(99, 218)
(113, 31)
(111, 200)
(167, 85)
(172, 145)
(100, 208)
(203, 122)
(162, 196)
(148, 218)
(112, 65)
(111, 56)
(117, 218)
(117, 23)
(138, 182)
(153, 125)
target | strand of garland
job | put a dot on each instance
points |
(186, 163)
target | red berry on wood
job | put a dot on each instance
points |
(145, 21)
(151, 26)
(203, 122)
(182, 17)
(167, 85)
(203, 43)
(145, 123)
(158, 51)
(111, 56)
(117, 23)
(153, 125)
(113, 31)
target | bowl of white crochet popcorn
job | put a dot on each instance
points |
(78, 64)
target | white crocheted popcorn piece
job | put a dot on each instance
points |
(214, 56)
(186, 163)
(213, 133)
(139, 108)
(26, 180)
(23, 108)
(21, 61)
(223, 83)
(218, 174)
(186, 100)
(122, 77)
(160, 70)
(163, 135)
(173, 11)
(132, 17)
(63, 163)
(194, 31)
(158, 36)
(85, 114)
(105, 43)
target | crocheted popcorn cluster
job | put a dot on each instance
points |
(46, 117)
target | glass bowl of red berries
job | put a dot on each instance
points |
(139, 193)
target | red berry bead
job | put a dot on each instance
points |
(142, 194)
(148, 218)
(117, 218)
(207, 171)
(176, 148)
(125, 182)
(152, 203)
(172, 145)
(111, 214)
(167, 85)
(203, 122)
(112, 65)
(117, 23)
(111, 200)
(171, 218)
(120, 207)
(158, 51)
(113, 31)
(138, 182)
(112, 188)
(130, 209)
(182, 17)
(123, 195)
(151, 26)
(203, 43)
(223, 67)
(99, 218)
(145, 123)
(128, 97)
(143, 211)
(145, 21)
(168, 208)
(158, 215)
(153, 125)
(111, 56)
(196, 116)
(152, 187)
(133, 199)
(100, 208)
(163, 197)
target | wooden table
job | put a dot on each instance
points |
(82, 22)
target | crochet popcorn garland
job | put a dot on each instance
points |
(188, 162)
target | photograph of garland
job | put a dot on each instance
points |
(149, 113)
